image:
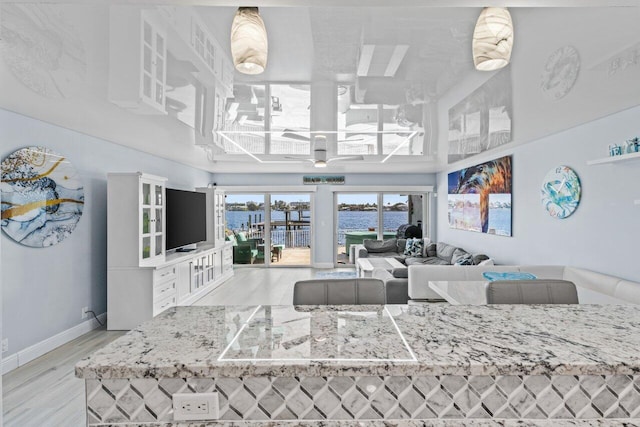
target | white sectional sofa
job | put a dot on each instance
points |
(420, 275)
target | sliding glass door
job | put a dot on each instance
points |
(270, 229)
(290, 229)
(395, 212)
(245, 216)
(358, 217)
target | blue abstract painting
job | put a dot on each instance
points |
(42, 197)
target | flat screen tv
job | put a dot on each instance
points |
(186, 218)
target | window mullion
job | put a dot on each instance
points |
(380, 128)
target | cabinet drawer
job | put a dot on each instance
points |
(163, 274)
(164, 289)
(163, 304)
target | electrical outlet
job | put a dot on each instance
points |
(85, 312)
(195, 406)
(5, 345)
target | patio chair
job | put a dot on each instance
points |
(245, 251)
(244, 254)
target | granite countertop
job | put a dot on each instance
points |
(423, 339)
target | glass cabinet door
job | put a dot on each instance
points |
(156, 231)
(145, 245)
(152, 221)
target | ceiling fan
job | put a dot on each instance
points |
(319, 158)
(292, 134)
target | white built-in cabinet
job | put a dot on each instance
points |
(137, 59)
(135, 220)
(215, 216)
(143, 280)
(219, 220)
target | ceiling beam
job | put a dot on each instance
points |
(366, 54)
(396, 59)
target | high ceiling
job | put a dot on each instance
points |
(60, 60)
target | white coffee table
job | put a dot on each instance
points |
(365, 266)
(473, 292)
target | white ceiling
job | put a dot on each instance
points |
(317, 44)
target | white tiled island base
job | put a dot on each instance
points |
(408, 363)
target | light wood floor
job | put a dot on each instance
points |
(46, 393)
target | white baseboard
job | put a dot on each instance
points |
(323, 265)
(32, 352)
(9, 363)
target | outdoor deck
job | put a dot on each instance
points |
(290, 256)
(302, 256)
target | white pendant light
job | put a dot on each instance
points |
(249, 41)
(492, 39)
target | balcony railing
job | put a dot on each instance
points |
(288, 238)
(296, 238)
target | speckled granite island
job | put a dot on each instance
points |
(416, 362)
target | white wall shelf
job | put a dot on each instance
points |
(614, 159)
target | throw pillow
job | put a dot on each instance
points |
(458, 254)
(414, 248)
(379, 246)
(487, 262)
(401, 244)
(478, 258)
(464, 260)
(445, 251)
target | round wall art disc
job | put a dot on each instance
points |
(560, 72)
(42, 197)
(560, 192)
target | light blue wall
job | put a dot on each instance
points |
(323, 222)
(602, 234)
(45, 289)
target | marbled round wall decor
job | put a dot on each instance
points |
(560, 72)
(42, 197)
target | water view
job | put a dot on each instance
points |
(347, 220)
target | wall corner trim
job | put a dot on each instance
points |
(32, 352)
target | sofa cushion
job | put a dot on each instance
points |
(430, 250)
(445, 251)
(383, 255)
(414, 247)
(378, 246)
(425, 261)
(458, 254)
(486, 262)
(400, 245)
